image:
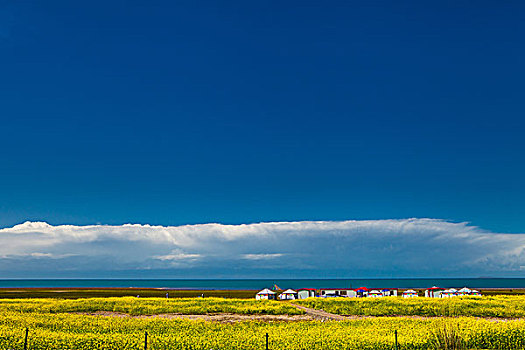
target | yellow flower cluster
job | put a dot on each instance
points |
(66, 331)
(52, 329)
(151, 306)
(491, 306)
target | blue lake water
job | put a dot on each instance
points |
(264, 283)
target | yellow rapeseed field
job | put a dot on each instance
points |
(52, 329)
(493, 306)
(151, 306)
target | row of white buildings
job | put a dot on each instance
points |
(436, 292)
(303, 293)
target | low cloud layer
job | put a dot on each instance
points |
(372, 248)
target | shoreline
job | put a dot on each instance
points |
(199, 289)
(107, 292)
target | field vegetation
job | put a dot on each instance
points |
(69, 324)
(150, 306)
(83, 332)
(493, 306)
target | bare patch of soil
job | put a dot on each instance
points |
(223, 318)
(311, 315)
(324, 316)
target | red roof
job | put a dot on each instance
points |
(312, 289)
(362, 288)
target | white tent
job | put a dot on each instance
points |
(305, 293)
(375, 294)
(389, 292)
(475, 293)
(265, 294)
(434, 292)
(445, 294)
(464, 291)
(410, 293)
(288, 294)
(449, 293)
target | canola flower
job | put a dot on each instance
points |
(493, 306)
(67, 331)
(52, 327)
(151, 306)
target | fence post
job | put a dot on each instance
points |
(25, 340)
(395, 336)
(145, 340)
(266, 341)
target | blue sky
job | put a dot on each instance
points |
(171, 113)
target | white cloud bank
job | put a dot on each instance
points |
(368, 248)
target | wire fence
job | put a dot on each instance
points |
(146, 335)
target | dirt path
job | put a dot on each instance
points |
(326, 316)
(310, 315)
(320, 314)
(223, 318)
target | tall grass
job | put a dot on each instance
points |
(447, 337)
